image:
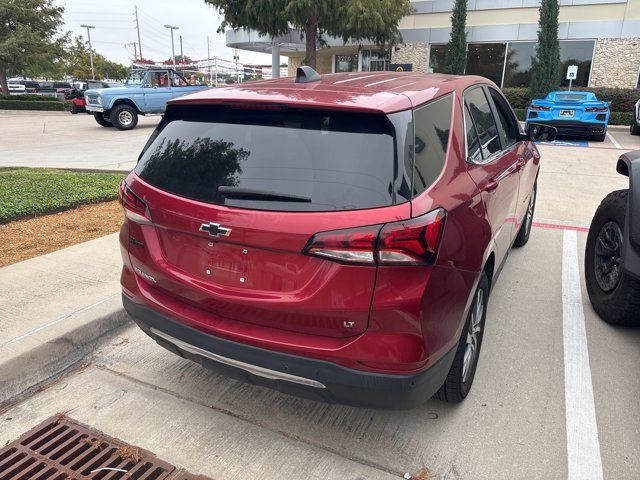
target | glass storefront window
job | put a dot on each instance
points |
(375, 61)
(346, 63)
(580, 53)
(486, 60)
(519, 60)
(437, 54)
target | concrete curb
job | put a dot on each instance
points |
(45, 354)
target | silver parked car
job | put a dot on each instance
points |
(635, 122)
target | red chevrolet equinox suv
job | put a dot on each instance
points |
(332, 237)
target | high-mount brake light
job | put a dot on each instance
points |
(408, 242)
(134, 208)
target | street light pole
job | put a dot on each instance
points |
(173, 50)
(89, 27)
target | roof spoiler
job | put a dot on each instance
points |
(307, 74)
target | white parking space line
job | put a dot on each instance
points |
(614, 141)
(583, 446)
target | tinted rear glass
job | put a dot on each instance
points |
(299, 160)
(570, 97)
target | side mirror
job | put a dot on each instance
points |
(537, 132)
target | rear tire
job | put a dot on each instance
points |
(525, 229)
(614, 294)
(635, 128)
(124, 117)
(99, 117)
(463, 370)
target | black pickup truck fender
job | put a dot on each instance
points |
(629, 165)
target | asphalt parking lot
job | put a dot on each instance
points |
(556, 389)
(62, 140)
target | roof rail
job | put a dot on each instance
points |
(307, 74)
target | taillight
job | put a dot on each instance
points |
(539, 107)
(597, 109)
(352, 245)
(412, 241)
(408, 242)
(134, 208)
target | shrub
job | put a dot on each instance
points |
(31, 105)
(621, 118)
(622, 99)
(29, 97)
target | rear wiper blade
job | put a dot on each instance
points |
(242, 193)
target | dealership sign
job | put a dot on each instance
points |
(401, 67)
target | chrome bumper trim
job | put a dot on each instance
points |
(253, 369)
(91, 108)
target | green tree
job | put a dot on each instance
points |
(78, 63)
(351, 20)
(456, 56)
(30, 37)
(545, 69)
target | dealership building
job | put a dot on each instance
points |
(601, 37)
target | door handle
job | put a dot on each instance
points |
(520, 164)
(490, 186)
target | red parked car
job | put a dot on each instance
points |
(333, 237)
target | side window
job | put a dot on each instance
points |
(157, 79)
(484, 121)
(178, 80)
(473, 145)
(505, 117)
(432, 127)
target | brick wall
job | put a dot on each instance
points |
(616, 62)
(414, 53)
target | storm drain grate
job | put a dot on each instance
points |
(60, 449)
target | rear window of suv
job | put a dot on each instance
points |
(281, 159)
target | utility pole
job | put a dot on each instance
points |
(236, 57)
(173, 50)
(138, 29)
(181, 55)
(216, 60)
(209, 58)
(89, 27)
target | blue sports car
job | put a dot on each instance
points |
(572, 113)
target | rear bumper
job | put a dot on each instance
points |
(296, 375)
(573, 127)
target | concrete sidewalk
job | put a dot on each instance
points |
(54, 309)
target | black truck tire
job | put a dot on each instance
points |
(99, 117)
(615, 296)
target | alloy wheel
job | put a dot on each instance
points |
(608, 253)
(125, 118)
(532, 204)
(473, 336)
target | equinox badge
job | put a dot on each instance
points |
(215, 230)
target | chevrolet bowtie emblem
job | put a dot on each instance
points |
(215, 230)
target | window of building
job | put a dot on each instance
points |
(486, 60)
(484, 121)
(473, 145)
(580, 53)
(432, 124)
(507, 121)
(346, 63)
(375, 61)
(437, 54)
(517, 72)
